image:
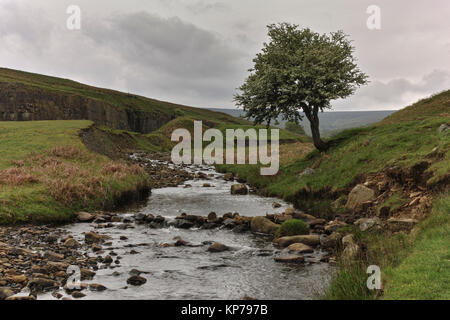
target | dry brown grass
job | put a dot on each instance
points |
(68, 152)
(291, 152)
(16, 177)
(71, 175)
(121, 169)
(69, 191)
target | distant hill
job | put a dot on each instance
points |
(28, 96)
(331, 122)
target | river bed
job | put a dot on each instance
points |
(190, 272)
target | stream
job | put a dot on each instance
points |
(193, 273)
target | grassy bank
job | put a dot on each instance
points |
(47, 174)
(425, 272)
(403, 140)
(413, 266)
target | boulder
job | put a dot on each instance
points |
(212, 217)
(333, 226)
(5, 293)
(302, 216)
(136, 280)
(97, 287)
(367, 223)
(86, 274)
(316, 222)
(280, 218)
(263, 225)
(401, 224)
(358, 196)
(228, 176)
(239, 189)
(310, 240)
(57, 266)
(347, 240)
(42, 284)
(300, 248)
(52, 256)
(92, 237)
(275, 205)
(292, 258)
(84, 217)
(78, 294)
(71, 243)
(22, 279)
(444, 127)
(332, 241)
(218, 247)
(96, 247)
(182, 224)
(108, 259)
(350, 253)
(241, 228)
(289, 211)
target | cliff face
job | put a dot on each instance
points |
(20, 102)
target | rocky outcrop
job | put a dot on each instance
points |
(19, 102)
(359, 195)
(263, 225)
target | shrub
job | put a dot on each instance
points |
(16, 177)
(293, 227)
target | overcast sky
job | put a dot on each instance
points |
(197, 52)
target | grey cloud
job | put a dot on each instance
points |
(207, 6)
(177, 59)
(198, 51)
(396, 93)
(168, 45)
(20, 25)
(197, 7)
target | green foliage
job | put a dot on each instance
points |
(299, 70)
(292, 227)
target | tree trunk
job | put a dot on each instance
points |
(313, 118)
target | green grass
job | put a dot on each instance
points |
(292, 227)
(413, 266)
(18, 139)
(360, 151)
(425, 272)
(47, 174)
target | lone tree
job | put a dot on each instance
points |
(299, 70)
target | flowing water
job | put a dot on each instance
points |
(248, 269)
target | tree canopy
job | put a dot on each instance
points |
(299, 71)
